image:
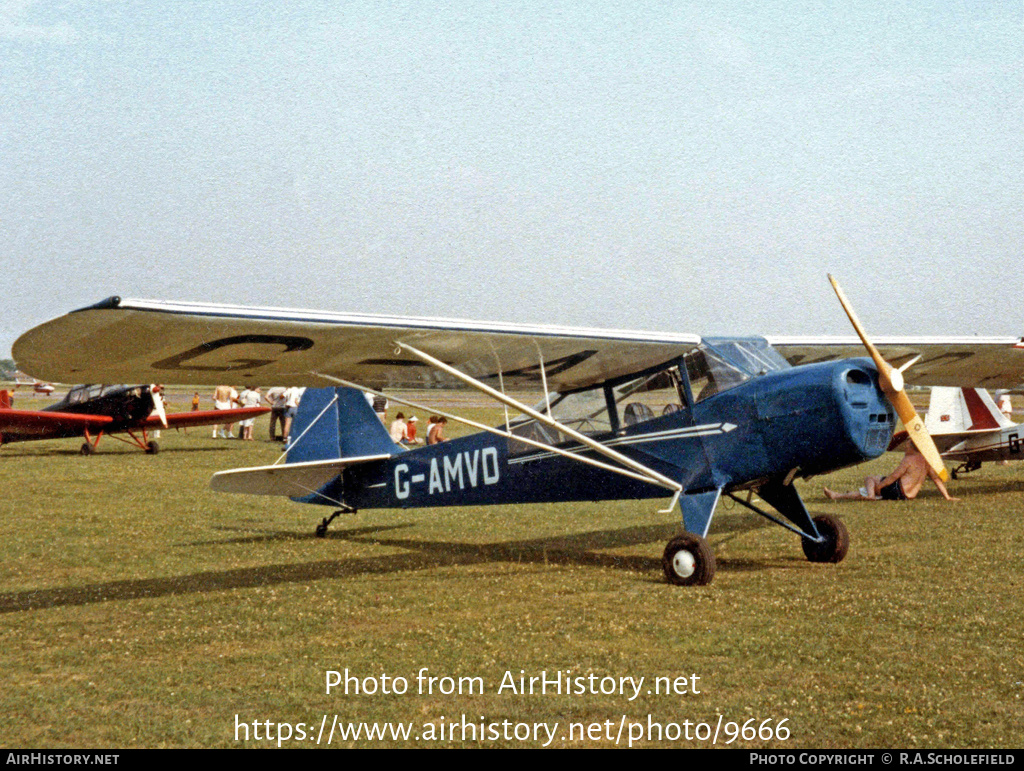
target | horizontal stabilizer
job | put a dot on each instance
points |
(290, 480)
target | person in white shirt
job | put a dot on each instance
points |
(398, 429)
(250, 397)
(292, 396)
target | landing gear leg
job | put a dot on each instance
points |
(321, 529)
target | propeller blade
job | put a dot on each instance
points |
(890, 380)
(158, 404)
(885, 378)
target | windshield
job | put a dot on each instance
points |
(752, 354)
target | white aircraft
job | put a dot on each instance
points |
(969, 429)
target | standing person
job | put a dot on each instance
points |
(1005, 407)
(275, 398)
(158, 393)
(380, 406)
(195, 405)
(250, 397)
(903, 484)
(291, 402)
(224, 398)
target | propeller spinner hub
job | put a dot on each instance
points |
(896, 378)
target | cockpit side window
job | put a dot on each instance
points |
(582, 411)
(650, 396)
(634, 401)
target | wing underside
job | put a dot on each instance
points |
(179, 343)
(148, 341)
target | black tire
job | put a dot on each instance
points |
(836, 543)
(688, 561)
(152, 448)
(321, 529)
(86, 449)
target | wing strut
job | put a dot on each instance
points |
(507, 435)
(651, 475)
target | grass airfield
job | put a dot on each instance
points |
(140, 609)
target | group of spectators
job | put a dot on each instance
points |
(283, 403)
(403, 431)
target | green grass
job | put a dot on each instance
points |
(140, 609)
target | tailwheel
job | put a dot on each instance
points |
(152, 448)
(835, 543)
(964, 468)
(86, 449)
(321, 529)
(688, 561)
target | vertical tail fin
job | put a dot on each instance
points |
(337, 423)
(960, 410)
(5, 400)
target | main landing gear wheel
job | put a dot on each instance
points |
(152, 448)
(86, 449)
(836, 543)
(688, 561)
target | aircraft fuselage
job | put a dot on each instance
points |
(794, 422)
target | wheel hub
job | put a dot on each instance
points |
(683, 563)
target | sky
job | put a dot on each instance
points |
(687, 167)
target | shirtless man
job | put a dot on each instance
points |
(224, 398)
(903, 484)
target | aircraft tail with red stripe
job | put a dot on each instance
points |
(963, 411)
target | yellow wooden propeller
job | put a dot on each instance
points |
(891, 381)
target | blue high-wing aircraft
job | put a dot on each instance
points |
(627, 414)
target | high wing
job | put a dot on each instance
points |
(46, 425)
(204, 417)
(207, 344)
(984, 362)
(152, 341)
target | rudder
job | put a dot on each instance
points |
(337, 423)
